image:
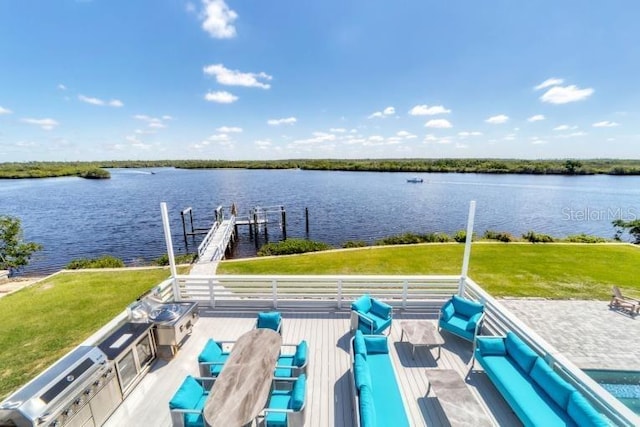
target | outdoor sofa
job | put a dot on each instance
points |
(376, 394)
(537, 395)
(371, 316)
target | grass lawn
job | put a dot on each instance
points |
(41, 323)
(560, 271)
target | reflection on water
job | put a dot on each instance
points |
(75, 218)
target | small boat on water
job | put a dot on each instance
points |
(415, 180)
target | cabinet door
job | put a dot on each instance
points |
(127, 369)
(144, 349)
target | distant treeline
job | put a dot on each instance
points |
(495, 166)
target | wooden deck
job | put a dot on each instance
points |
(329, 392)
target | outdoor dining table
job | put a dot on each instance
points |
(241, 390)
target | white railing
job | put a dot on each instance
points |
(316, 291)
(207, 239)
(499, 320)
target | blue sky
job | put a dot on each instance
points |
(213, 79)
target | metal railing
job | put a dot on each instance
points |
(207, 239)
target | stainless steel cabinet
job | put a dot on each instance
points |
(134, 361)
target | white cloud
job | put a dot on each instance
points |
(510, 137)
(337, 130)
(465, 134)
(406, 135)
(167, 117)
(45, 124)
(318, 137)
(218, 19)
(536, 118)
(389, 111)
(152, 122)
(263, 143)
(537, 141)
(566, 94)
(497, 120)
(221, 97)
(605, 124)
(438, 124)
(229, 77)
(62, 87)
(229, 129)
(425, 110)
(564, 127)
(572, 135)
(285, 121)
(100, 102)
(4, 111)
(461, 146)
(219, 137)
(157, 125)
(549, 82)
(430, 138)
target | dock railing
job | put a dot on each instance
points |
(424, 293)
(207, 239)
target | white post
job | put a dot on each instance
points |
(169, 242)
(467, 248)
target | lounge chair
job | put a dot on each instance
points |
(287, 406)
(187, 403)
(370, 316)
(631, 305)
(211, 359)
(461, 317)
(293, 364)
(270, 320)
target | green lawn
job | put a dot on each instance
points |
(560, 271)
(41, 323)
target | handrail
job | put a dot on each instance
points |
(207, 239)
(499, 320)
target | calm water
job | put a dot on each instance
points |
(74, 217)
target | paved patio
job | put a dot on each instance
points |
(587, 332)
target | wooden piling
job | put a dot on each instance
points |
(283, 214)
(306, 219)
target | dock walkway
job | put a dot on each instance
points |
(214, 246)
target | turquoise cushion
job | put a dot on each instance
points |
(379, 323)
(466, 307)
(389, 407)
(269, 320)
(280, 399)
(195, 420)
(491, 346)
(217, 367)
(376, 345)
(473, 322)
(551, 383)
(211, 352)
(447, 311)
(362, 304)
(520, 352)
(283, 370)
(380, 309)
(300, 358)
(367, 409)
(458, 326)
(358, 344)
(298, 392)
(361, 371)
(188, 394)
(581, 411)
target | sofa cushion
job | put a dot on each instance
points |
(551, 383)
(367, 408)
(491, 346)
(298, 393)
(283, 370)
(300, 358)
(581, 411)
(473, 322)
(362, 304)
(216, 368)
(380, 309)
(359, 346)
(447, 311)
(376, 345)
(458, 326)
(188, 394)
(211, 352)
(523, 355)
(387, 398)
(269, 320)
(466, 307)
(361, 371)
(280, 399)
(196, 420)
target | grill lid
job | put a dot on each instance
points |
(165, 313)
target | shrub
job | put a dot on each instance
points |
(412, 238)
(534, 237)
(95, 173)
(461, 236)
(585, 238)
(292, 246)
(354, 244)
(180, 259)
(105, 261)
(501, 236)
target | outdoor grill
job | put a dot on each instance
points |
(173, 321)
(79, 389)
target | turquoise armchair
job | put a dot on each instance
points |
(287, 406)
(370, 316)
(187, 403)
(212, 358)
(270, 320)
(293, 364)
(461, 317)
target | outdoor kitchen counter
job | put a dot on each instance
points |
(241, 390)
(124, 336)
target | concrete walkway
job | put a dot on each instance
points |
(587, 332)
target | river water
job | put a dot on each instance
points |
(74, 217)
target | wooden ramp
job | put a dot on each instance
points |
(214, 246)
